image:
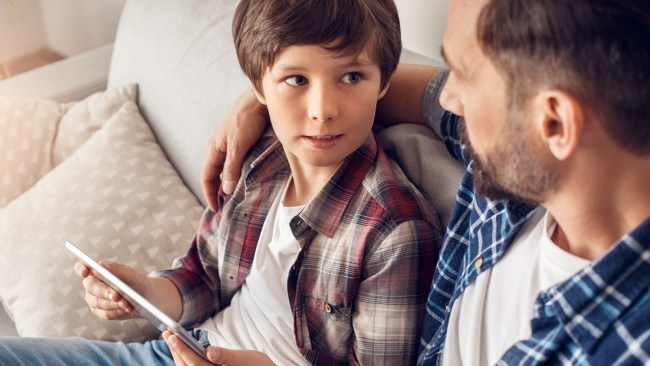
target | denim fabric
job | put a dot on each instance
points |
(17, 351)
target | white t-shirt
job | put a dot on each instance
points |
(259, 316)
(495, 311)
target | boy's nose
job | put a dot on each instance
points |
(322, 104)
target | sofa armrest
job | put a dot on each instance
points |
(67, 80)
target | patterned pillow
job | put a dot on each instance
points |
(119, 199)
(27, 130)
(36, 135)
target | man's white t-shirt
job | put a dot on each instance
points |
(495, 311)
(259, 316)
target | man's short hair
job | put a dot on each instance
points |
(262, 28)
(596, 50)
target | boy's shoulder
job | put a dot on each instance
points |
(265, 145)
(384, 184)
(390, 188)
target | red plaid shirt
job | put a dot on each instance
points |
(369, 246)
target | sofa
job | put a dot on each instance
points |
(104, 149)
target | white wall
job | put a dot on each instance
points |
(76, 26)
(21, 31)
(423, 22)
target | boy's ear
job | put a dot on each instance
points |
(260, 96)
(560, 122)
(383, 91)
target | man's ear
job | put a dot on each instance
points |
(560, 122)
(384, 90)
(258, 94)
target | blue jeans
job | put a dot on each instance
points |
(80, 351)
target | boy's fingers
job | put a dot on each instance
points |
(182, 353)
(118, 314)
(178, 360)
(99, 289)
(105, 304)
(81, 270)
(232, 357)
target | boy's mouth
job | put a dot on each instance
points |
(322, 141)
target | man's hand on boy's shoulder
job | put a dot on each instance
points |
(184, 356)
(238, 132)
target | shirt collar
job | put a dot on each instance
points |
(590, 302)
(324, 212)
(517, 213)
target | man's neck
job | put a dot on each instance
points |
(594, 213)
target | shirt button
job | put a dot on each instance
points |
(328, 308)
(478, 262)
(447, 310)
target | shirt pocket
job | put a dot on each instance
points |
(330, 325)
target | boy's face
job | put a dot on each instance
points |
(321, 105)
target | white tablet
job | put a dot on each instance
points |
(145, 308)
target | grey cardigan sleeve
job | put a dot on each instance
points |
(432, 111)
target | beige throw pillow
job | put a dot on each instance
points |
(27, 130)
(37, 135)
(118, 198)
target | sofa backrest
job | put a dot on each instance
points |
(181, 54)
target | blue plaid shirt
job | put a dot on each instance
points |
(599, 316)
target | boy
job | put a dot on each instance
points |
(325, 251)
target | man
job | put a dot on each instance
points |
(547, 254)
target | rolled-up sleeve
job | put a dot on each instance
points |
(432, 111)
(198, 287)
(442, 122)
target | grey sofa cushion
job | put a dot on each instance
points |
(427, 163)
(181, 54)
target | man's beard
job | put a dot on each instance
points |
(513, 170)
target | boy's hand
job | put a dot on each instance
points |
(105, 302)
(185, 356)
(243, 126)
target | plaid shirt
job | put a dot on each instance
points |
(600, 316)
(358, 288)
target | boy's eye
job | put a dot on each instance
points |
(296, 80)
(351, 78)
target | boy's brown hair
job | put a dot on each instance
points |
(262, 28)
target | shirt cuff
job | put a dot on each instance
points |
(197, 301)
